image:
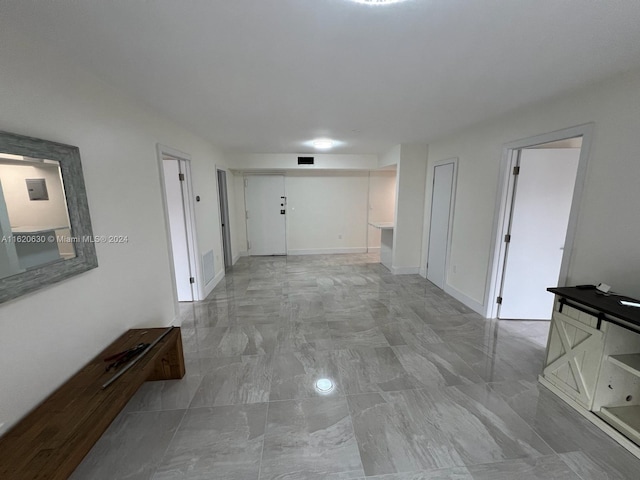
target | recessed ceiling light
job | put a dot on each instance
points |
(323, 143)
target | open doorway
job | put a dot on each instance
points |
(543, 178)
(175, 168)
(224, 218)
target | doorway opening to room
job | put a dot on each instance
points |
(175, 172)
(542, 185)
(224, 218)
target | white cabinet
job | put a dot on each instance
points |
(593, 361)
(574, 353)
(617, 399)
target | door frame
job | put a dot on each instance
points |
(225, 236)
(454, 182)
(190, 222)
(504, 206)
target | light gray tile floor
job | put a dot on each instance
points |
(423, 388)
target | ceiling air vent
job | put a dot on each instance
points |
(305, 160)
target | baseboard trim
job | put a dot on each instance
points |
(373, 250)
(236, 258)
(325, 251)
(208, 288)
(423, 272)
(468, 301)
(405, 270)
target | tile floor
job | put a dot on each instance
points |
(424, 388)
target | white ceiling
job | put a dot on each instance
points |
(267, 75)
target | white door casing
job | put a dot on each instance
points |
(266, 214)
(503, 206)
(178, 229)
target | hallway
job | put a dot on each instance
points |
(419, 387)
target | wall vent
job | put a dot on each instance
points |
(208, 267)
(305, 160)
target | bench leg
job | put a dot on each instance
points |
(171, 365)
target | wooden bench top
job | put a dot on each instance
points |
(51, 441)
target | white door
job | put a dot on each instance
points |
(539, 220)
(439, 230)
(266, 208)
(178, 228)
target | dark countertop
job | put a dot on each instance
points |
(607, 304)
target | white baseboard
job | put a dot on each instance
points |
(373, 250)
(208, 288)
(237, 257)
(405, 270)
(423, 272)
(468, 301)
(325, 251)
(243, 253)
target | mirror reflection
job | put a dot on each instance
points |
(34, 223)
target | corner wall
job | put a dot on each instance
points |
(410, 193)
(326, 212)
(606, 243)
(49, 334)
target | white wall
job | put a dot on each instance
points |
(321, 207)
(382, 202)
(410, 201)
(22, 210)
(49, 334)
(284, 161)
(324, 206)
(606, 244)
(391, 157)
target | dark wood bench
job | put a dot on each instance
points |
(51, 441)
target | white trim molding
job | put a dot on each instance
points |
(326, 251)
(405, 270)
(474, 305)
(502, 207)
(208, 288)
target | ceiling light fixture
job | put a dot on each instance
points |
(324, 386)
(378, 2)
(323, 143)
